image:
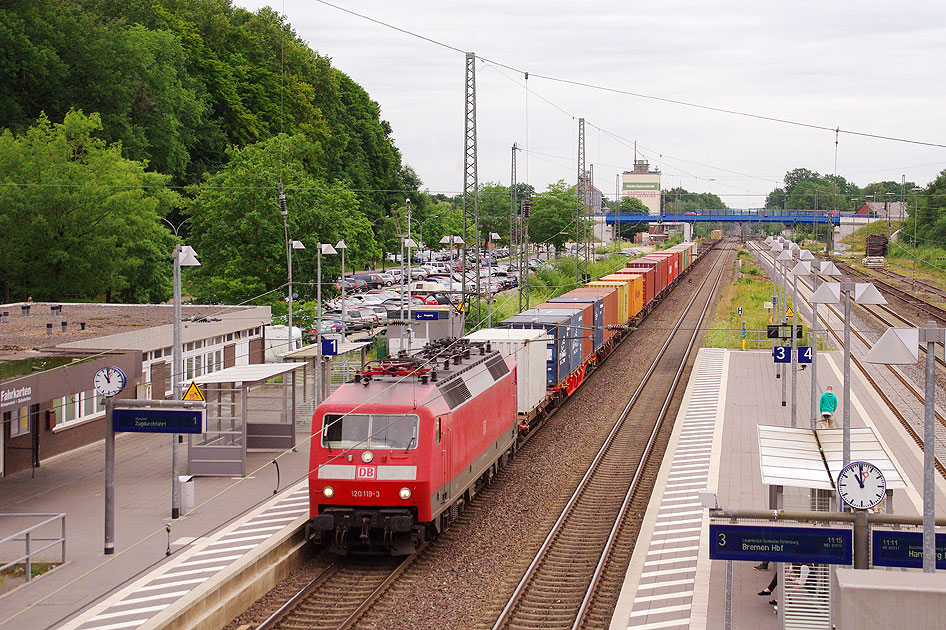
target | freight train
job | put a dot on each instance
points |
(397, 451)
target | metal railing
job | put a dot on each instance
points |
(29, 537)
(758, 340)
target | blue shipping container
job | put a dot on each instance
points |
(575, 325)
(557, 361)
(597, 309)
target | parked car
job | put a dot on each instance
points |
(352, 318)
(350, 287)
(360, 284)
(373, 280)
(389, 278)
(368, 315)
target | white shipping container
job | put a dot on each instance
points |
(528, 347)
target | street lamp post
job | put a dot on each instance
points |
(785, 256)
(493, 237)
(829, 269)
(292, 245)
(340, 246)
(184, 256)
(327, 249)
(863, 293)
(915, 210)
(451, 240)
(803, 268)
(900, 346)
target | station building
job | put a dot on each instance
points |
(644, 184)
(49, 353)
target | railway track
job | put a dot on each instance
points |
(568, 584)
(344, 594)
(923, 308)
(336, 597)
(885, 315)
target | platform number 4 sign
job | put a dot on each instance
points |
(782, 354)
(804, 354)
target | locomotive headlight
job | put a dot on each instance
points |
(404, 493)
(328, 491)
(367, 456)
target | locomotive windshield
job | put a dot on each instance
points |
(374, 431)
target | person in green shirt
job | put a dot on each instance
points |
(829, 403)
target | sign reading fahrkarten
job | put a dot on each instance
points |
(903, 549)
(158, 420)
(781, 544)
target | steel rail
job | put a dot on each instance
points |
(592, 468)
(619, 520)
(271, 622)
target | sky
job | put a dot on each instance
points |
(870, 67)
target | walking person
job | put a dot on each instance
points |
(829, 403)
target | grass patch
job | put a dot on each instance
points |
(750, 290)
(16, 575)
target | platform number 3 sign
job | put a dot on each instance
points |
(782, 354)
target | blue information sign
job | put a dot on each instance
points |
(782, 354)
(425, 315)
(804, 354)
(329, 347)
(903, 549)
(158, 420)
(781, 544)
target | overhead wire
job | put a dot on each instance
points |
(604, 88)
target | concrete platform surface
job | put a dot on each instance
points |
(671, 582)
(74, 484)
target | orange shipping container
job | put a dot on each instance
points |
(623, 296)
(635, 291)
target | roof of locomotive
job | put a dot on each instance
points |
(441, 378)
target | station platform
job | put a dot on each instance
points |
(671, 581)
(138, 583)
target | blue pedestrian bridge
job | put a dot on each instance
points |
(823, 217)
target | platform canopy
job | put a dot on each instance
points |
(793, 456)
(311, 351)
(253, 373)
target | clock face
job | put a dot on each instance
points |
(861, 485)
(109, 381)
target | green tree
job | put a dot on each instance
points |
(552, 220)
(79, 220)
(237, 228)
(66, 57)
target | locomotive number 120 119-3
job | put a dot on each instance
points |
(367, 494)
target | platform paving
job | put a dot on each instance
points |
(746, 394)
(74, 484)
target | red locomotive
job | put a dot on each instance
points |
(407, 440)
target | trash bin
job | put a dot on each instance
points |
(187, 493)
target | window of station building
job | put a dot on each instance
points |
(79, 406)
(230, 337)
(189, 368)
(198, 362)
(198, 344)
(20, 423)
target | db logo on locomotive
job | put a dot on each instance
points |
(366, 472)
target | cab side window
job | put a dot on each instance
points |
(437, 432)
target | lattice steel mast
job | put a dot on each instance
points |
(513, 207)
(470, 179)
(579, 238)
